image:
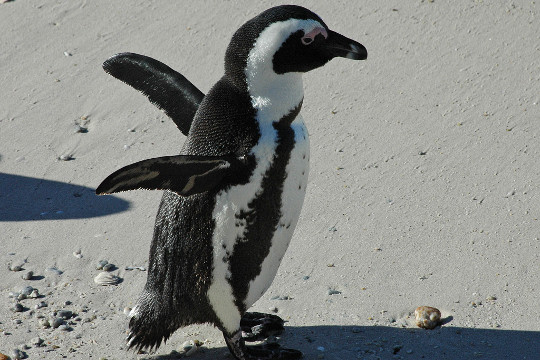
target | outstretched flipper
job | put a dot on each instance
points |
(169, 90)
(183, 174)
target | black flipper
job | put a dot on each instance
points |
(169, 90)
(183, 174)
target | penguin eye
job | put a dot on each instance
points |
(307, 40)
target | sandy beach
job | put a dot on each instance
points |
(424, 186)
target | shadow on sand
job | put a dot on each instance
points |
(25, 199)
(379, 342)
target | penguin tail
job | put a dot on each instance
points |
(147, 329)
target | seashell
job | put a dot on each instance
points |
(427, 317)
(190, 347)
(28, 275)
(34, 294)
(105, 278)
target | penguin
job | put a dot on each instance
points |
(233, 195)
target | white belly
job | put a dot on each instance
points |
(231, 203)
(294, 191)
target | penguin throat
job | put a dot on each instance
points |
(275, 95)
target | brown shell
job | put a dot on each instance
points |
(427, 317)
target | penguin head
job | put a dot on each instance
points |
(286, 39)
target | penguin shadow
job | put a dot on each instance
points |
(380, 342)
(25, 198)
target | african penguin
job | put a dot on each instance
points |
(233, 196)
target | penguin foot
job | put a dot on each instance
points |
(238, 348)
(259, 326)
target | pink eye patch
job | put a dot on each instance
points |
(310, 36)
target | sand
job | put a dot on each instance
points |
(424, 183)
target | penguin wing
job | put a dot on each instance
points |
(183, 174)
(169, 90)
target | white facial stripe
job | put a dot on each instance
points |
(275, 94)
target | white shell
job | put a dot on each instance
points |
(190, 347)
(105, 278)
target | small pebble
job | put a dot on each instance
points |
(101, 264)
(57, 322)
(141, 268)
(108, 267)
(65, 157)
(64, 314)
(320, 348)
(17, 308)
(127, 310)
(491, 298)
(45, 323)
(15, 268)
(80, 129)
(34, 294)
(77, 254)
(28, 275)
(67, 53)
(40, 305)
(27, 290)
(333, 292)
(37, 341)
(427, 317)
(17, 354)
(54, 270)
(305, 278)
(64, 327)
(273, 309)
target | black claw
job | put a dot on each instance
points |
(259, 326)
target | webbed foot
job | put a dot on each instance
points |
(259, 326)
(238, 348)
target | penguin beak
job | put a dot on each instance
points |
(338, 45)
